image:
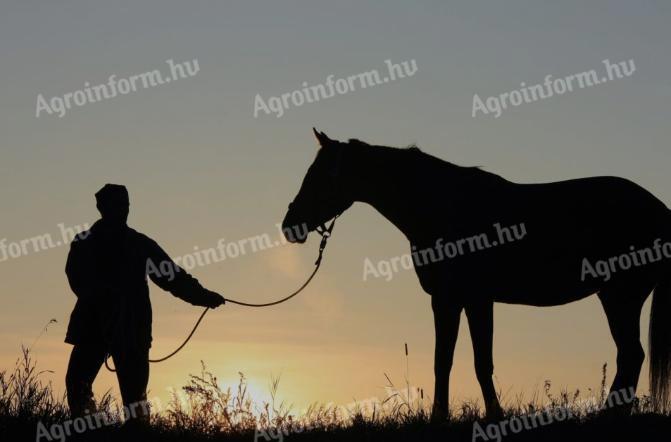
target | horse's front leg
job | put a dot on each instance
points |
(446, 319)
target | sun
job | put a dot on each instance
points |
(256, 390)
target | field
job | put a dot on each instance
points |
(29, 410)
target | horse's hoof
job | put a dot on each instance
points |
(439, 416)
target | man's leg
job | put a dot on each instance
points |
(85, 362)
(132, 367)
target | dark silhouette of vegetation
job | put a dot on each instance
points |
(206, 412)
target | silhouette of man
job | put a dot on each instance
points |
(107, 270)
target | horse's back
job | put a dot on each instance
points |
(609, 209)
(604, 194)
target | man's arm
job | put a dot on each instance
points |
(166, 274)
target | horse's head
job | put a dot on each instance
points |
(321, 196)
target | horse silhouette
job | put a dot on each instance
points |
(477, 238)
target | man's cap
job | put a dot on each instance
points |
(112, 194)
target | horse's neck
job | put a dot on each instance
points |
(380, 178)
(420, 197)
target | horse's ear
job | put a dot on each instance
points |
(321, 137)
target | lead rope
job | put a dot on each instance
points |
(325, 233)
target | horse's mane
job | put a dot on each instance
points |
(413, 153)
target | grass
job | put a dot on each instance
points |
(203, 411)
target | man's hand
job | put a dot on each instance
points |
(212, 299)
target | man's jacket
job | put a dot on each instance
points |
(107, 269)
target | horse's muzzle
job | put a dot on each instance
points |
(294, 234)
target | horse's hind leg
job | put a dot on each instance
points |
(623, 305)
(480, 317)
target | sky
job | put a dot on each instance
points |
(201, 167)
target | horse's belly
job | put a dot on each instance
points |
(543, 296)
(530, 279)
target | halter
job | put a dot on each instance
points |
(325, 233)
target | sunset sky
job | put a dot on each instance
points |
(200, 168)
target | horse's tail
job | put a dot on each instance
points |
(659, 344)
